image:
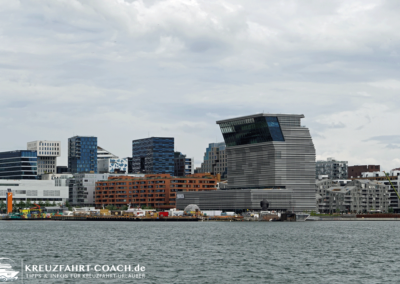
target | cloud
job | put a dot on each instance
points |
(123, 69)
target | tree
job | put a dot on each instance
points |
(47, 203)
(390, 210)
(124, 207)
(28, 203)
(54, 204)
(2, 205)
(21, 204)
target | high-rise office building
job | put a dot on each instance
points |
(183, 165)
(21, 164)
(47, 153)
(153, 155)
(82, 154)
(215, 161)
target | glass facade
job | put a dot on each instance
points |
(251, 131)
(153, 155)
(18, 165)
(82, 154)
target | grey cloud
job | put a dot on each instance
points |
(385, 139)
(117, 69)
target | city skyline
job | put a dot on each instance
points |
(122, 71)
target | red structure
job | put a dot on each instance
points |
(156, 191)
(355, 171)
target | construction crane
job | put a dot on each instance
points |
(387, 176)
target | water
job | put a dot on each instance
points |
(213, 252)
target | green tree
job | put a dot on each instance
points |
(21, 204)
(47, 203)
(28, 203)
(390, 210)
(2, 205)
(124, 207)
(54, 204)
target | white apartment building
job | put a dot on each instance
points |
(47, 153)
(34, 190)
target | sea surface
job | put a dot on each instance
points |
(208, 252)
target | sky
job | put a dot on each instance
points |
(125, 70)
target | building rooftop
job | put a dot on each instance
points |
(261, 114)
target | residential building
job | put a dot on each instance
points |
(47, 153)
(157, 191)
(153, 155)
(20, 164)
(183, 165)
(333, 168)
(215, 160)
(355, 171)
(82, 187)
(392, 180)
(269, 156)
(34, 190)
(358, 196)
(82, 154)
(112, 165)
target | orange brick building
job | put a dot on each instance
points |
(157, 191)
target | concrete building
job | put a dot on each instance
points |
(358, 196)
(268, 153)
(34, 190)
(20, 164)
(237, 200)
(47, 153)
(157, 191)
(183, 165)
(82, 154)
(215, 160)
(355, 171)
(82, 187)
(154, 155)
(333, 168)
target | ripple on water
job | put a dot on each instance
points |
(214, 252)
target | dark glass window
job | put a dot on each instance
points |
(252, 131)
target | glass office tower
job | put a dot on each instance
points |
(21, 164)
(153, 155)
(82, 154)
